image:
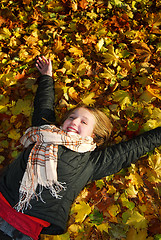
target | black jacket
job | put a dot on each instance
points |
(75, 169)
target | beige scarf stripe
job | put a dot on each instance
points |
(42, 163)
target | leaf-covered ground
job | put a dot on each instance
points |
(104, 53)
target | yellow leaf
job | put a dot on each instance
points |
(89, 99)
(155, 163)
(4, 33)
(82, 209)
(73, 94)
(74, 228)
(103, 227)
(8, 79)
(99, 45)
(68, 65)
(14, 42)
(12, 119)
(23, 54)
(154, 91)
(22, 106)
(1, 159)
(156, 114)
(56, 237)
(114, 210)
(111, 189)
(108, 74)
(126, 202)
(131, 191)
(135, 179)
(136, 235)
(76, 51)
(3, 109)
(82, 68)
(86, 83)
(13, 134)
(110, 56)
(92, 15)
(31, 40)
(122, 97)
(58, 46)
(137, 220)
(151, 124)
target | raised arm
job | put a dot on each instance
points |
(113, 159)
(44, 98)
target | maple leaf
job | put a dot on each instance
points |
(14, 134)
(137, 220)
(96, 217)
(58, 46)
(154, 21)
(154, 91)
(4, 33)
(122, 97)
(111, 57)
(143, 51)
(22, 106)
(114, 210)
(89, 99)
(155, 163)
(73, 94)
(82, 209)
(103, 227)
(126, 202)
(76, 51)
(133, 234)
(2, 20)
(83, 4)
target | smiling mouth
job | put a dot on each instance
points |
(70, 129)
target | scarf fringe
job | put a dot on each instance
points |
(26, 197)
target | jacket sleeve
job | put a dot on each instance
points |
(112, 159)
(44, 102)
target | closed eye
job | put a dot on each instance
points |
(71, 117)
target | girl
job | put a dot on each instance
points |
(38, 188)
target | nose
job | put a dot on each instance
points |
(75, 121)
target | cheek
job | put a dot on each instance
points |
(64, 125)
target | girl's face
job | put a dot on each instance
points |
(80, 121)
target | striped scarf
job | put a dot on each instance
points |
(42, 162)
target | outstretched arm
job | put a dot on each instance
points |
(44, 99)
(113, 159)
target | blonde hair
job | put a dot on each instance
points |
(103, 126)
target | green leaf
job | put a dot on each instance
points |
(96, 217)
(132, 126)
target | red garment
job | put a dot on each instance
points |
(30, 226)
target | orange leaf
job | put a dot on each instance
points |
(2, 21)
(20, 75)
(27, 2)
(83, 4)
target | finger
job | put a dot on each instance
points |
(38, 67)
(45, 59)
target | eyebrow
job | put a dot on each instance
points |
(82, 116)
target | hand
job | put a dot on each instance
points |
(44, 66)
